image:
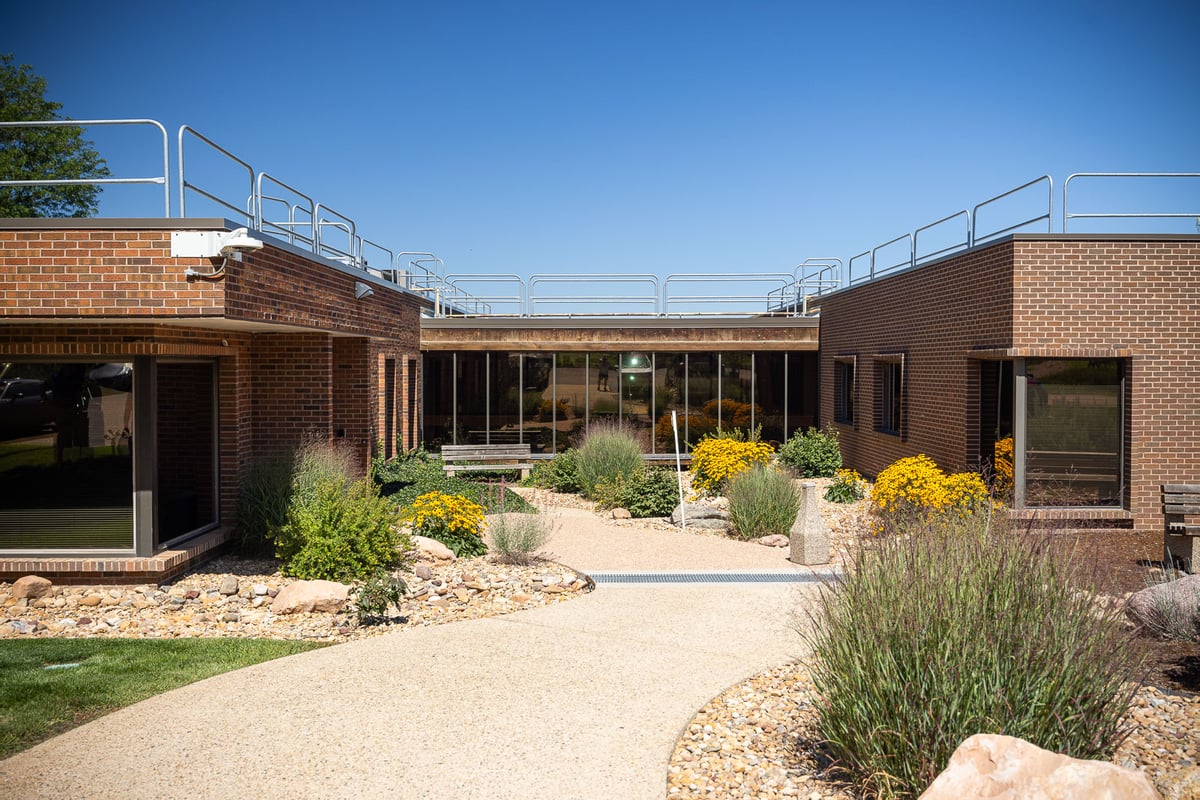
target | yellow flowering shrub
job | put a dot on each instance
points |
(451, 519)
(915, 489)
(715, 461)
(847, 487)
(1002, 465)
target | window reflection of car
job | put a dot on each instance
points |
(24, 406)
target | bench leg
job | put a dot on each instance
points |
(1182, 550)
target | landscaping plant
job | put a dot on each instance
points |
(929, 639)
(560, 474)
(716, 459)
(608, 452)
(813, 453)
(648, 492)
(376, 594)
(451, 519)
(264, 493)
(762, 501)
(913, 491)
(847, 487)
(517, 538)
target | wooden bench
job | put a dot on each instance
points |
(486, 458)
(1181, 538)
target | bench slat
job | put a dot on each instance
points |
(1174, 508)
(1179, 529)
(1181, 488)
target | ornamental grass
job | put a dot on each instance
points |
(960, 630)
(609, 454)
(762, 501)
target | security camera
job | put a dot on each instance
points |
(238, 240)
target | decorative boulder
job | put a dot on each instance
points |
(694, 512)
(432, 550)
(1181, 597)
(323, 596)
(1006, 768)
(774, 540)
(31, 587)
(621, 513)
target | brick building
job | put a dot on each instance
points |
(1081, 348)
(129, 365)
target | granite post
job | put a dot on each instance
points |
(810, 536)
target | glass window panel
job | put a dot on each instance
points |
(738, 408)
(1073, 432)
(545, 415)
(802, 391)
(438, 391)
(186, 429)
(471, 399)
(670, 379)
(703, 408)
(770, 378)
(66, 469)
(603, 391)
(573, 385)
(636, 374)
(504, 423)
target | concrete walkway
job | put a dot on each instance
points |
(582, 699)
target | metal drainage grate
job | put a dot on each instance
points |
(711, 577)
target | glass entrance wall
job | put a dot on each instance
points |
(558, 396)
(66, 468)
(1072, 432)
(186, 449)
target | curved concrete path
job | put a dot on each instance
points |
(581, 699)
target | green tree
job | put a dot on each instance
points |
(50, 153)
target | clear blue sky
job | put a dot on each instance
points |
(631, 137)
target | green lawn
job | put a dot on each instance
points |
(37, 703)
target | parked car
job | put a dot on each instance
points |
(25, 406)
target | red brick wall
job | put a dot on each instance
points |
(935, 316)
(1135, 298)
(291, 383)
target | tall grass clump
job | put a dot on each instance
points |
(762, 501)
(517, 538)
(931, 638)
(264, 492)
(609, 453)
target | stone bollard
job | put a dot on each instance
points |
(810, 536)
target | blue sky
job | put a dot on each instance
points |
(635, 137)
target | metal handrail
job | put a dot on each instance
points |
(834, 264)
(290, 226)
(374, 246)
(851, 280)
(966, 242)
(898, 264)
(252, 215)
(1067, 216)
(520, 300)
(629, 278)
(342, 223)
(1048, 216)
(163, 179)
(667, 300)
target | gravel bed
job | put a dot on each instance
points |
(195, 605)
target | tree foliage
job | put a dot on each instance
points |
(51, 153)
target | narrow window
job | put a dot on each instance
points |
(889, 394)
(843, 391)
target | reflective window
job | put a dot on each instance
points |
(545, 413)
(770, 394)
(604, 394)
(185, 449)
(507, 396)
(670, 387)
(703, 378)
(1073, 432)
(66, 467)
(572, 384)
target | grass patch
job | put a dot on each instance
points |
(37, 703)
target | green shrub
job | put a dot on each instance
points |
(338, 530)
(648, 492)
(372, 598)
(929, 639)
(762, 501)
(423, 477)
(608, 452)
(264, 493)
(847, 487)
(406, 468)
(560, 474)
(813, 454)
(516, 538)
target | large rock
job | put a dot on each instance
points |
(810, 535)
(774, 540)
(695, 512)
(31, 586)
(323, 596)
(432, 550)
(1179, 597)
(1007, 768)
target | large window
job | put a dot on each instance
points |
(66, 466)
(1073, 432)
